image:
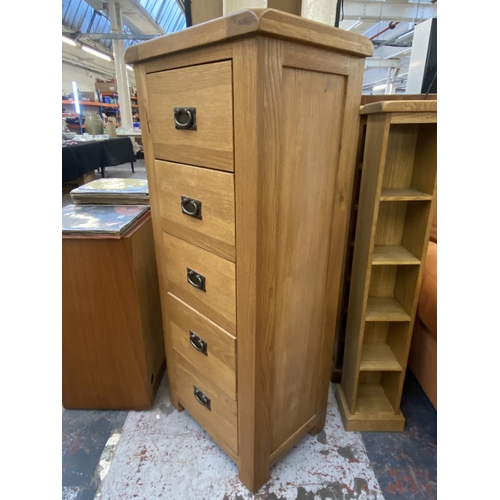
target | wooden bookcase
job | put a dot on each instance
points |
(341, 323)
(396, 203)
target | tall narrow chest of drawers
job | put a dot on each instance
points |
(249, 127)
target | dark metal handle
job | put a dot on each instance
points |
(198, 343)
(196, 279)
(191, 207)
(185, 118)
(201, 398)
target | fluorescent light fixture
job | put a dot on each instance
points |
(67, 40)
(380, 87)
(129, 67)
(75, 97)
(96, 53)
(354, 26)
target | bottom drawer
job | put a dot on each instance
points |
(210, 411)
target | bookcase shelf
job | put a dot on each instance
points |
(373, 399)
(395, 206)
(404, 195)
(385, 309)
(378, 356)
(396, 255)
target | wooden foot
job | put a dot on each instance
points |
(252, 481)
(315, 430)
(174, 401)
(177, 406)
(320, 425)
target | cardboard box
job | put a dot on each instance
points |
(106, 87)
(86, 95)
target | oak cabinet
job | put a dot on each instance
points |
(249, 129)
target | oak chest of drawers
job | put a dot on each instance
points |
(249, 126)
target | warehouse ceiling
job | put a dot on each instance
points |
(83, 18)
(388, 23)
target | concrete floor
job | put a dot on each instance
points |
(161, 453)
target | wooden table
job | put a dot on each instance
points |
(113, 351)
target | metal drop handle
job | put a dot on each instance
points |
(191, 207)
(198, 343)
(201, 398)
(196, 279)
(185, 118)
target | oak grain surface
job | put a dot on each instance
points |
(208, 88)
(276, 295)
(267, 22)
(215, 190)
(397, 197)
(111, 334)
(218, 302)
(303, 183)
(220, 421)
(219, 364)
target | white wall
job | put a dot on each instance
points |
(85, 79)
(84, 69)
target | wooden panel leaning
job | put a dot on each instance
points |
(396, 203)
(263, 297)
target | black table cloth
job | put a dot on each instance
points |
(83, 158)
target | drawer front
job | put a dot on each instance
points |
(197, 204)
(201, 99)
(213, 414)
(204, 344)
(211, 288)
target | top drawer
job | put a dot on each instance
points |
(206, 94)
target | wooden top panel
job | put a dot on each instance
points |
(368, 99)
(400, 107)
(268, 22)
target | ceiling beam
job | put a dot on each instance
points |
(96, 4)
(376, 62)
(112, 36)
(137, 18)
(393, 11)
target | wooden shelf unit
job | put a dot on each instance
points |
(90, 103)
(393, 255)
(135, 108)
(76, 126)
(116, 94)
(388, 195)
(395, 207)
